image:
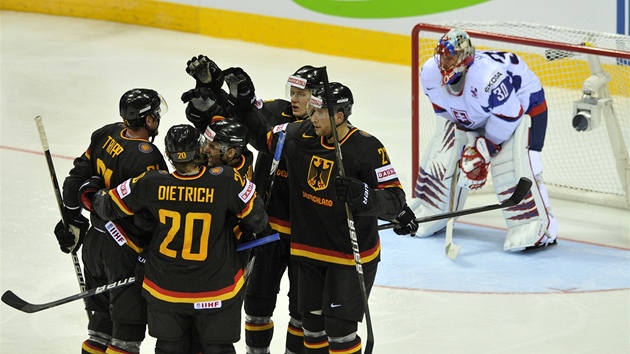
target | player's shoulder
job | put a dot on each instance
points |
(221, 171)
(485, 74)
(109, 129)
(151, 177)
(430, 73)
(279, 110)
(365, 138)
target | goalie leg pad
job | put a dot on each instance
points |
(437, 168)
(530, 223)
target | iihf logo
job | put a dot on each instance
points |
(473, 90)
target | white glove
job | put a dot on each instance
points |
(474, 165)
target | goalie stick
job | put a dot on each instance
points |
(369, 345)
(53, 177)
(451, 249)
(521, 189)
(18, 303)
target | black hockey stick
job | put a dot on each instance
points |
(369, 345)
(18, 303)
(520, 191)
(60, 204)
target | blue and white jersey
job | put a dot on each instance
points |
(498, 89)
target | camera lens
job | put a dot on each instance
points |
(581, 121)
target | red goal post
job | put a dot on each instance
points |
(590, 166)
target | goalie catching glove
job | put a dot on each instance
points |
(71, 238)
(205, 71)
(354, 192)
(475, 162)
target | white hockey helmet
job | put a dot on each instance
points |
(454, 54)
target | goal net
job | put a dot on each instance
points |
(590, 165)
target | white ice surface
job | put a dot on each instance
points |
(573, 299)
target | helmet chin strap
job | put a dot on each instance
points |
(152, 132)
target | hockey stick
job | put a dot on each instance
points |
(272, 177)
(53, 176)
(18, 303)
(353, 234)
(521, 189)
(450, 249)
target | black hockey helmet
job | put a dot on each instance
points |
(183, 143)
(136, 104)
(306, 77)
(229, 132)
(340, 95)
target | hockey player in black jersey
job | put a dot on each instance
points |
(193, 280)
(329, 294)
(226, 145)
(116, 152)
(270, 265)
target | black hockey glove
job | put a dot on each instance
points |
(201, 97)
(242, 91)
(87, 191)
(354, 192)
(202, 106)
(71, 239)
(407, 220)
(206, 72)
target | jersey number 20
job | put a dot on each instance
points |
(190, 220)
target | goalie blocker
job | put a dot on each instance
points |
(530, 224)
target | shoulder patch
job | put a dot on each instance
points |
(124, 189)
(248, 191)
(216, 170)
(386, 173)
(145, 147)
(279, 128)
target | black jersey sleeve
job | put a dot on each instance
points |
(81, 171)
(377, 171)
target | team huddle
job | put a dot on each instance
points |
(318, 181)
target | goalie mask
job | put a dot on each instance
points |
(183, 143)
(454, 54)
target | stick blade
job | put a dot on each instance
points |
(16, 302)
(452, 250)
(520, 191)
